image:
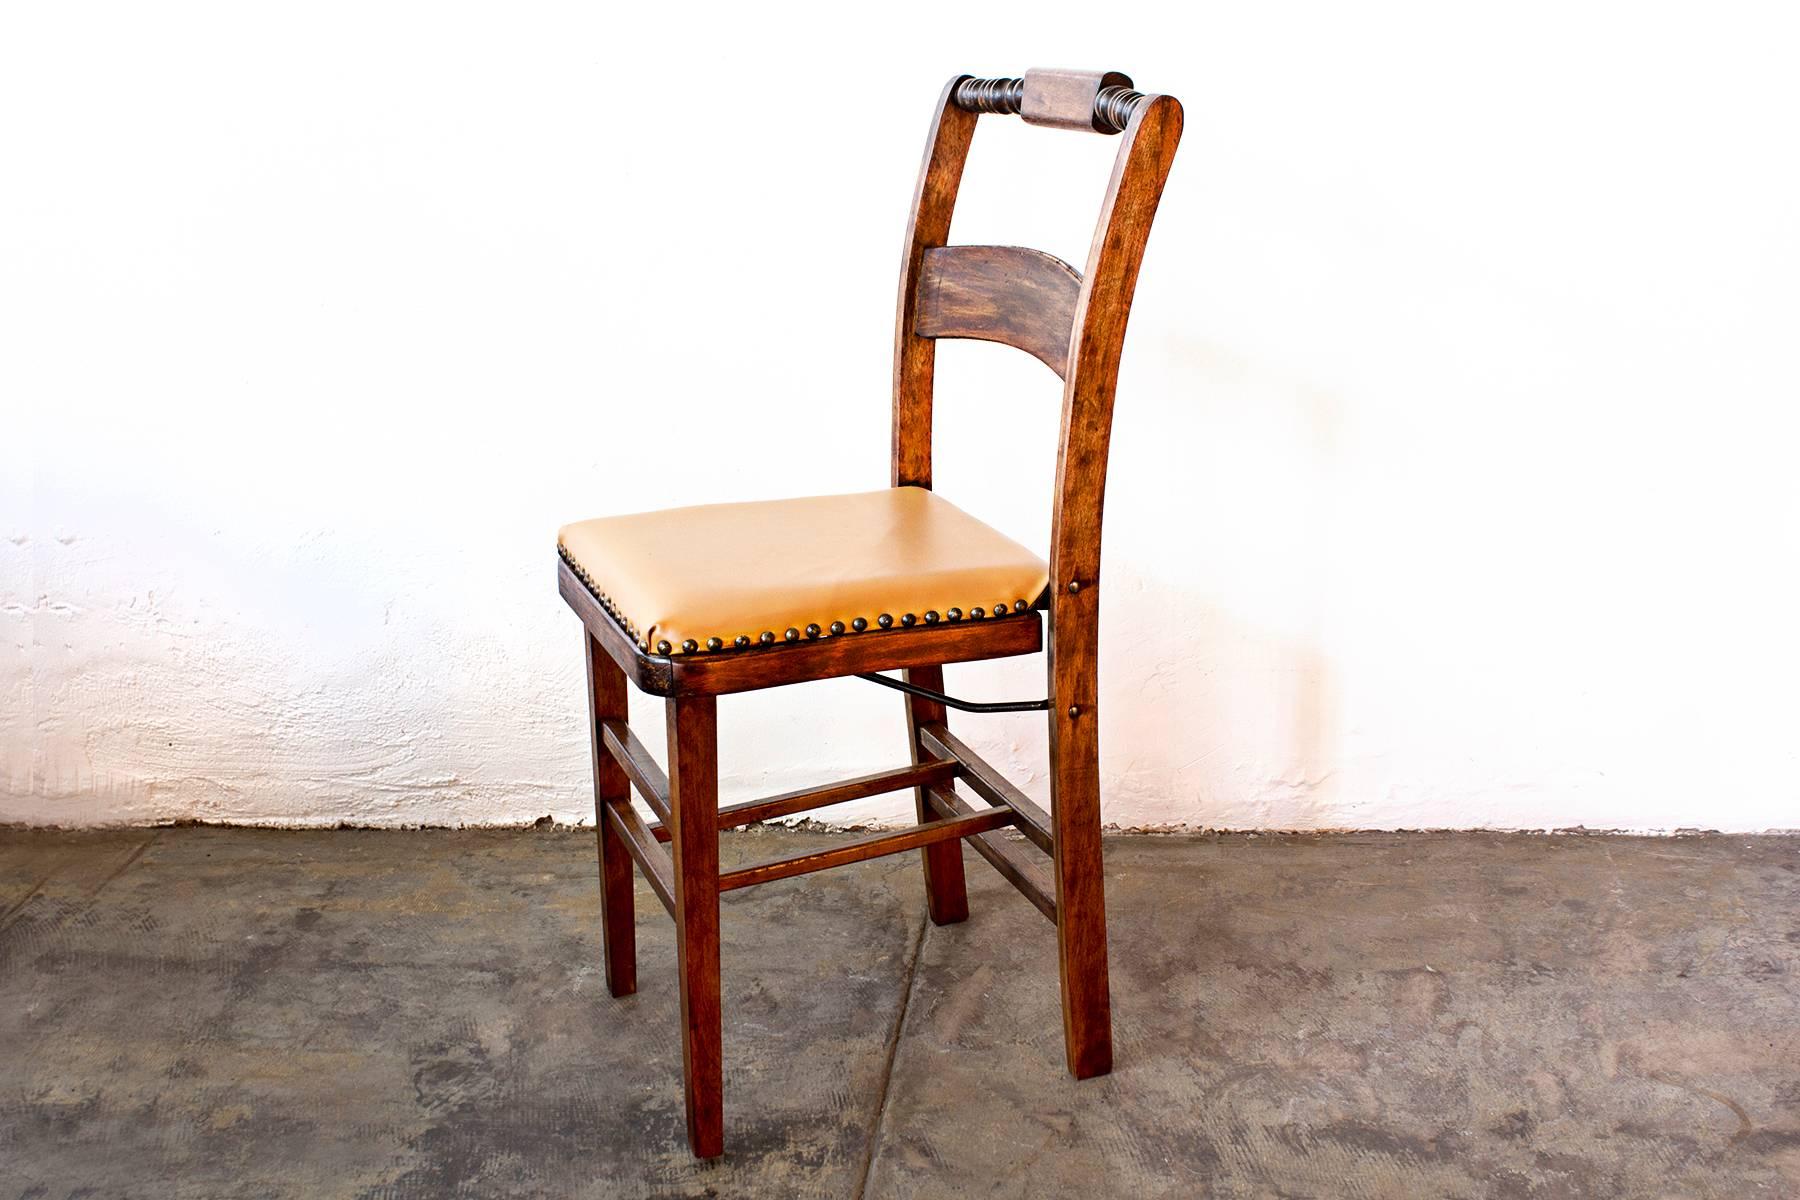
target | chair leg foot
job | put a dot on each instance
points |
(1086, 994)
(618, 919)
(946, 891)
(694, 843)
(1080, 895)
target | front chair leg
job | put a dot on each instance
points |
(694, 843)
(618, 930)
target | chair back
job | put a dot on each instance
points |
(1074, 321)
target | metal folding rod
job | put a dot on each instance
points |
(913, 689)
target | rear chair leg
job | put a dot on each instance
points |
(1080, 890)
(946, 895)
(694, 843)
(618, 930)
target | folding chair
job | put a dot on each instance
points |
(694, 603)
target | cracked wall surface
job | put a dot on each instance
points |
(1449, 489)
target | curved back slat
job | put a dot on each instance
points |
(1008, 294)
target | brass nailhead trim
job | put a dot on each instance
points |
(767, 637)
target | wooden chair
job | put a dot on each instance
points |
(695, 603)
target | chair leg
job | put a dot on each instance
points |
(618, 927)
(694, 842)
(1080, 890)
(946, 894)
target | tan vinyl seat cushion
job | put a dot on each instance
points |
(742, 570)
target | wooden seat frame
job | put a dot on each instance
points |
(1073, 321)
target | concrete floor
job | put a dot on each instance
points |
(210, 1012)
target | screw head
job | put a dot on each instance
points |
(1074, 711)
(1074, 585)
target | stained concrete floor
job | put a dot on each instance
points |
(218, 1013)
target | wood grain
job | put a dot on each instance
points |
(788, 803)
(874, 845)
(990, 785)
(650, 675)
(631, 754)
(1132, 194)
(915, 357)
(651, 858)
(1003, 856)
(694, 839)
(853, 653)
(1007, 294)
(618, 924)
(946, 885)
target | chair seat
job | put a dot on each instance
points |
(731, 576)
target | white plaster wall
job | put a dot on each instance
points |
(1454, 477)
